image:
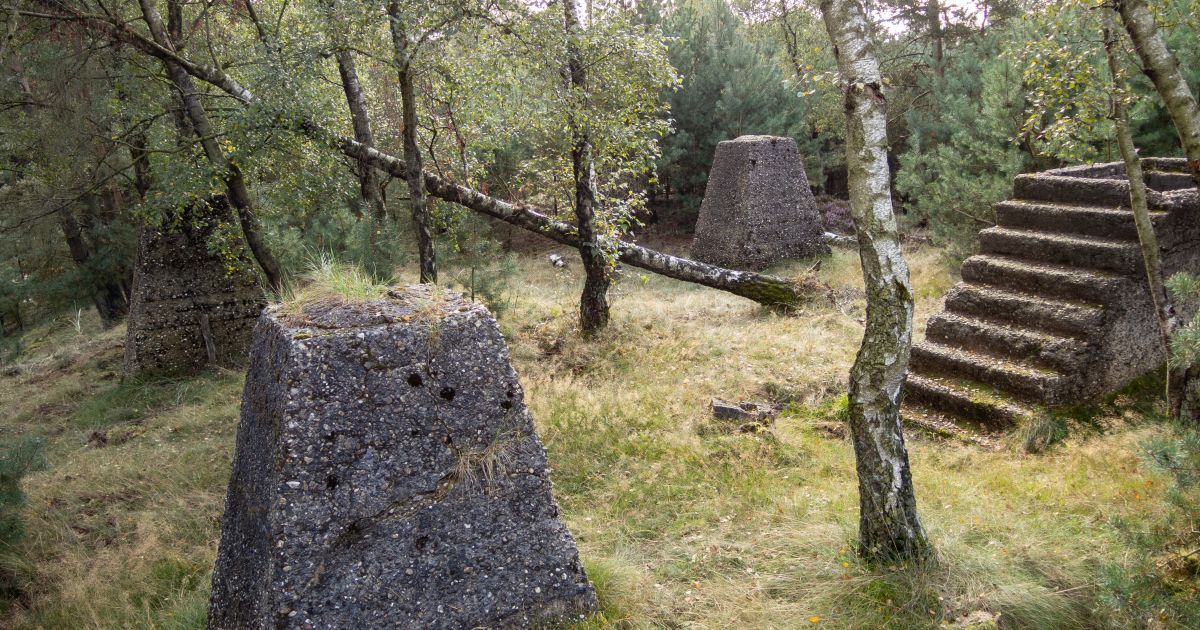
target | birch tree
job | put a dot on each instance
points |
(370, 187)
(235, 182)
(771, 291)
(889, 529)
(1147, 238)
(593, 301)
(1161, 65)
(402, 49)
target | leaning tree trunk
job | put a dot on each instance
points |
(889, 529)
(1161, 65)
(593, 302)
(412, 152)
(771, 291)
(370, 191)
(235, 183)
(1147, 238)
(106, 293)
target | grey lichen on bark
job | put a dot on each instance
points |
(1147, 238)
(593, 300)
(889, 528)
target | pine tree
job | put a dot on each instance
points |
(963, 154)
(730, 87)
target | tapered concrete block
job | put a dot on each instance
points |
(757, 208)
(388, 474)
(190, 307)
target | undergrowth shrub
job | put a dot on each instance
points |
(10, 349)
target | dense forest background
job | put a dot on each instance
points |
(978, 92)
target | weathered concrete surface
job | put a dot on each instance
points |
(388, 474)
(758, 208)
(189, 309)
(1054, 310)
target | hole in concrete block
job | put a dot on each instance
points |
(331, 482)
(507, 404)
(415, 380)
(447, 393)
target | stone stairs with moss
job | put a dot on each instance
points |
(1053, 311)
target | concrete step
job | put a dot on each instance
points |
(1165, 181)
(1017, 343)
(1021, 380)
(919, 417)
(1067, 189)
(1069, 317)
(1042, 278)
(1084, 251)
(1106, 222)
(964, 399)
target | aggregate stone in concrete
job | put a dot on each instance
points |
(388, 474)
(189, 306)
(758, 208)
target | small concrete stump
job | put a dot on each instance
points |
(757, 208)
(745, 417)
(388, 475)
(188, 309)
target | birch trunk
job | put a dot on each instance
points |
(593, 301)
(771, 291)
(889, 528)
(1147, 238)
(235, 183)
(370, 190)
(1161, 65)
(412, 152)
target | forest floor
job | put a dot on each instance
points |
(679, 524)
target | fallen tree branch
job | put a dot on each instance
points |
(772, 291)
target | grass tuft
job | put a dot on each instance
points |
(1041, 431)
(329, 280)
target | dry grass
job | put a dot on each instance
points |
(678, 527)
(328, 280)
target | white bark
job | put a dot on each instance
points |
(1161, 65)
(889, 529)
(1147, 238)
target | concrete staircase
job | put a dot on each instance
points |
(1053, 311)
